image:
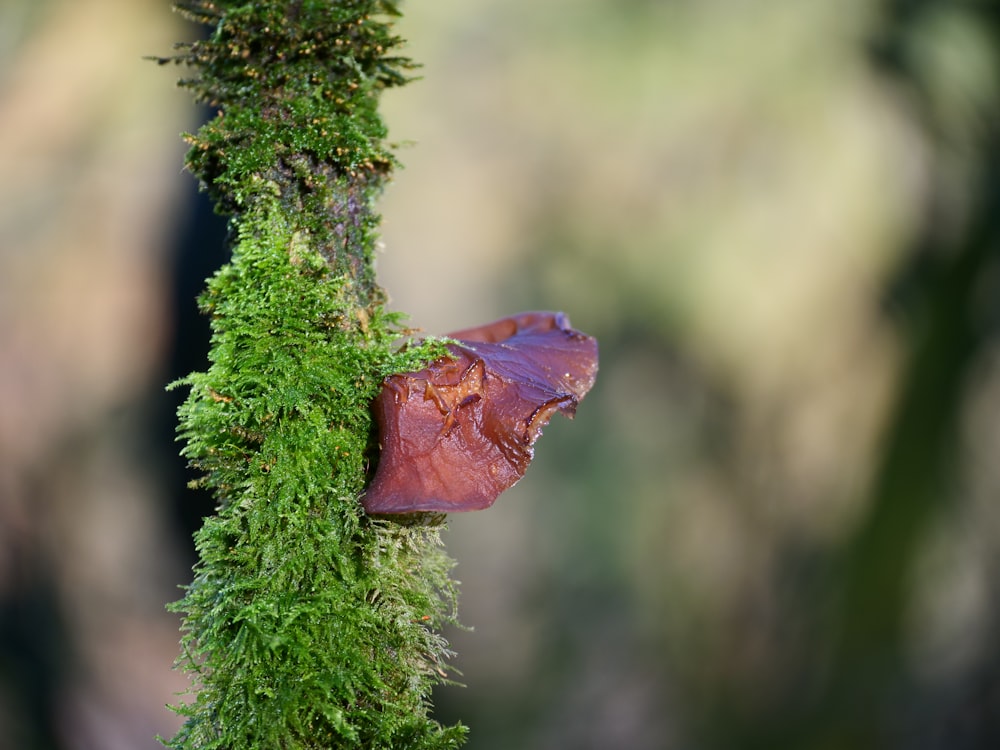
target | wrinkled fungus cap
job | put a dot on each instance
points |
(455, 435)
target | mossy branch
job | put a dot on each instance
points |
(308, 624)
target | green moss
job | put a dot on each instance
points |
(308, 624)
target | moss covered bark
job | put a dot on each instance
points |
(308, 624)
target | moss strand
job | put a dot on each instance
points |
(307, 624)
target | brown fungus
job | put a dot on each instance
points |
(455, 435)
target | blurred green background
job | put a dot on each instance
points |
(773, 522)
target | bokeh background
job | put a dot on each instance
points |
(773, 523)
